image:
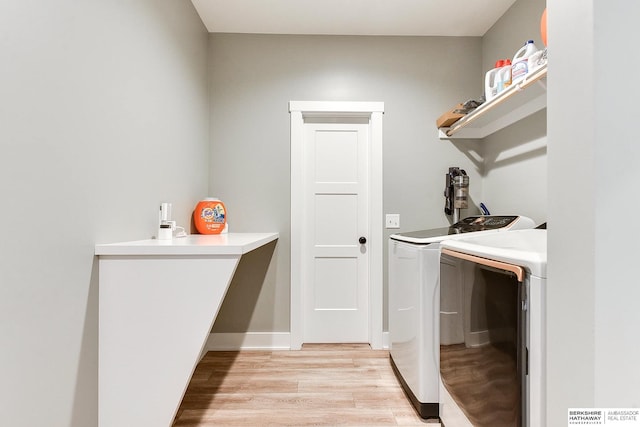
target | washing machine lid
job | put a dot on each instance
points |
(472, 224)
(525, 248)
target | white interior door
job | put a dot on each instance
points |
(330, 269)
(335, 257)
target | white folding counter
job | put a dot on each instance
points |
(158, 300)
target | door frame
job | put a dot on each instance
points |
(329, 109)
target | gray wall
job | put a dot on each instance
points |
(253, 77)
(103, 114)
(96, 96)
(514, 169)
(593, 293)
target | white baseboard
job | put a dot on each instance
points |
(258, 341)
(248, 341)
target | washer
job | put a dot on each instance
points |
(414, 303)
(475, 269)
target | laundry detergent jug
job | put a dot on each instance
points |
(504, 76)
(491, 81)
(520, 65)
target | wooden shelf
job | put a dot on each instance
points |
(518, 101)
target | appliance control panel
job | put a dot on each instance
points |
(468, 225)
(481, 223)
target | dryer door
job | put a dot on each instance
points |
(484, 370)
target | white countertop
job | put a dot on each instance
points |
(193, 244)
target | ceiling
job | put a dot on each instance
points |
(352, 17)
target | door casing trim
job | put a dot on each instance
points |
(373, 110)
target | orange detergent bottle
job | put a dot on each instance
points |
(210, 216)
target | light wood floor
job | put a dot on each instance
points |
(320, 385)
(486, 379)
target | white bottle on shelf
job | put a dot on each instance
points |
(491, 81)
(504, 76)
(520, 63)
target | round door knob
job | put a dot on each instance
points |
(362, 240)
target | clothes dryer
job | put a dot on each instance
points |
(492, 363)
(414, 303)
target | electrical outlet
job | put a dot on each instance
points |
(392, 221)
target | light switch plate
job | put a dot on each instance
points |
(392, 221)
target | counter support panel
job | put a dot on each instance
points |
(155, 314)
